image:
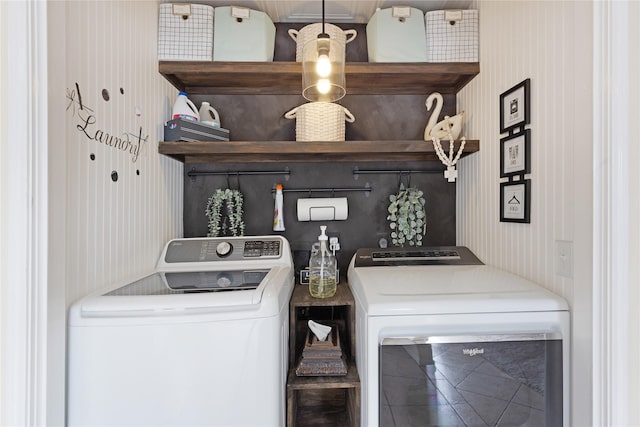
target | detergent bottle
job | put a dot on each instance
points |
(183, 108)
(278, 217)
(209, 115)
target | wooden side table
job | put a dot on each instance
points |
(322, 400)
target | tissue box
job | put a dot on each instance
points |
(397, 34)
(185, 32)
(187, 130)
(452, 35)
(322, 358)
(242, 34)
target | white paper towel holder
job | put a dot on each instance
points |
(323, 209)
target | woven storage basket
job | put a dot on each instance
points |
(311, 31)
(320, 121)
(185, 37)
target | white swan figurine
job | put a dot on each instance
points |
(441, 129)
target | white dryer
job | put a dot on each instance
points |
(442, 339)
(202, 341)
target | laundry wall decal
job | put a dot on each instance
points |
(87, 123)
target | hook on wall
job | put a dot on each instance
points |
(406, 174)
(237, 176)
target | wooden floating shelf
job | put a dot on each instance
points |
(285, 78)
(292, 151)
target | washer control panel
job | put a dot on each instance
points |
(262, 248)
(222, 249)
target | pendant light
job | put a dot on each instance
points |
(323, 68)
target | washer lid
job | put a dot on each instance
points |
(182, 282)
(446, 289)
(166, 293)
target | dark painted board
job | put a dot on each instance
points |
(367, 221)
(378, 117)
(285, 50)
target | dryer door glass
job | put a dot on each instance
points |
(481, 380)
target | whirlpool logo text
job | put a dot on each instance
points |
(472, 351)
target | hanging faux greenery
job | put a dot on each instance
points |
(407, 217)
(224, 210)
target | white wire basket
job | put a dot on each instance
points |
(187, 37)
(320, 121)
(452, 35)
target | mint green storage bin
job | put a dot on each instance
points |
(242, 34)
(396, 38)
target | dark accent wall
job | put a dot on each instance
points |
(366, 223)
(378, 117)
(356, 50)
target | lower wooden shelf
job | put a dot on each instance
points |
(297, 151)
(351, 380)
(324, 401)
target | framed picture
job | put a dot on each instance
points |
(515, 154)
(515, 201)
(514, 107)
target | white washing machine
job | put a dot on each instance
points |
(442, 339)
(202, 341)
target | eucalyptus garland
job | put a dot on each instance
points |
(224, 210)
(407, 217)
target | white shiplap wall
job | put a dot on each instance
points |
(115, 230)
(519, 40)
(550, 42)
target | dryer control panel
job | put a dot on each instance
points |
(435, 255)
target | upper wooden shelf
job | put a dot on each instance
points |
(292, 151)
(285, 78)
